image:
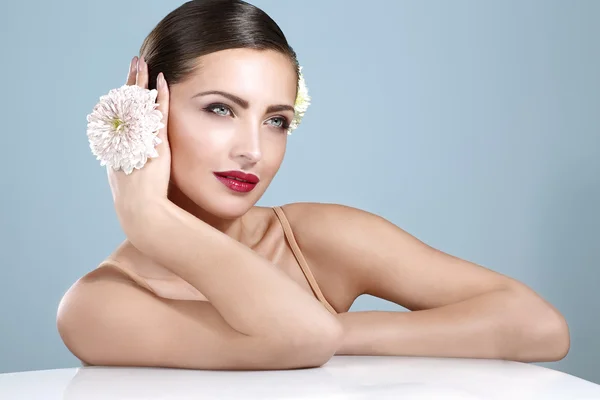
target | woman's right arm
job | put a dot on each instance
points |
(257, 318)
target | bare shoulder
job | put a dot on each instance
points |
(306, 214)
(337, 237)
(316, 225)
(93, 286)
(322, 225)
(99, 286)
(99, 276)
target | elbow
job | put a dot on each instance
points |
(319, 345)
(553, 332)
(311, 347)
(542, 332)
(330, 340)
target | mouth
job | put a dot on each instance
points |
(237, 181)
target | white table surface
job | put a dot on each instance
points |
(343, 377)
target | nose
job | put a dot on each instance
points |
(246, 149)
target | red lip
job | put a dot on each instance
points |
(237, 180)
(250, 178)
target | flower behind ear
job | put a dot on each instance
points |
(123, 128)
(301, 104)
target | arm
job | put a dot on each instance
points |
(107, 319)
(256, 318)
(491, 325)
(254, 297)
(459, 309)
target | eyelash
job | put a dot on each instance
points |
(284, 125)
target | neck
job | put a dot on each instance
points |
(233, 227)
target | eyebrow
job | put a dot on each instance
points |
(243, 103)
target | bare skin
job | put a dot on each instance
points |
(256, 310)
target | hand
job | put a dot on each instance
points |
(149, 184)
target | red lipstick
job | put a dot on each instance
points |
(237, 181)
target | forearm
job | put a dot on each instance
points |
(494, 325)
(250, 293)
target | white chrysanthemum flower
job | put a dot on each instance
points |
(123, 128)
(301, 104)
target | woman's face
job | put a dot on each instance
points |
(230, 115)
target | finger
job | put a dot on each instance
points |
(163, 104)
(131, 76)
(142, 73)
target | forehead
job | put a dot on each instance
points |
(247, 73)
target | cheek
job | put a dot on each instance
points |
(273, 152)
(195, 138)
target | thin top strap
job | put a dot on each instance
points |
(287, 230)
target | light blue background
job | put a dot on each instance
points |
(471, 124)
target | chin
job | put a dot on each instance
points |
(228, 208)
(221, 203)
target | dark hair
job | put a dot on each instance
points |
(201, 27)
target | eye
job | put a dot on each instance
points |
(219, 109)
(280, 122)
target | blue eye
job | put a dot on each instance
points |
(222, 110)
(283, 123)
(219, 109)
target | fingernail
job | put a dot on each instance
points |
(142, 64)
(161, 80)
(134, 63)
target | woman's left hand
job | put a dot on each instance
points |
(149, 184)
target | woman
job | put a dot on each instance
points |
(208, 280)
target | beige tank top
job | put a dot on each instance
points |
(185, 291)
